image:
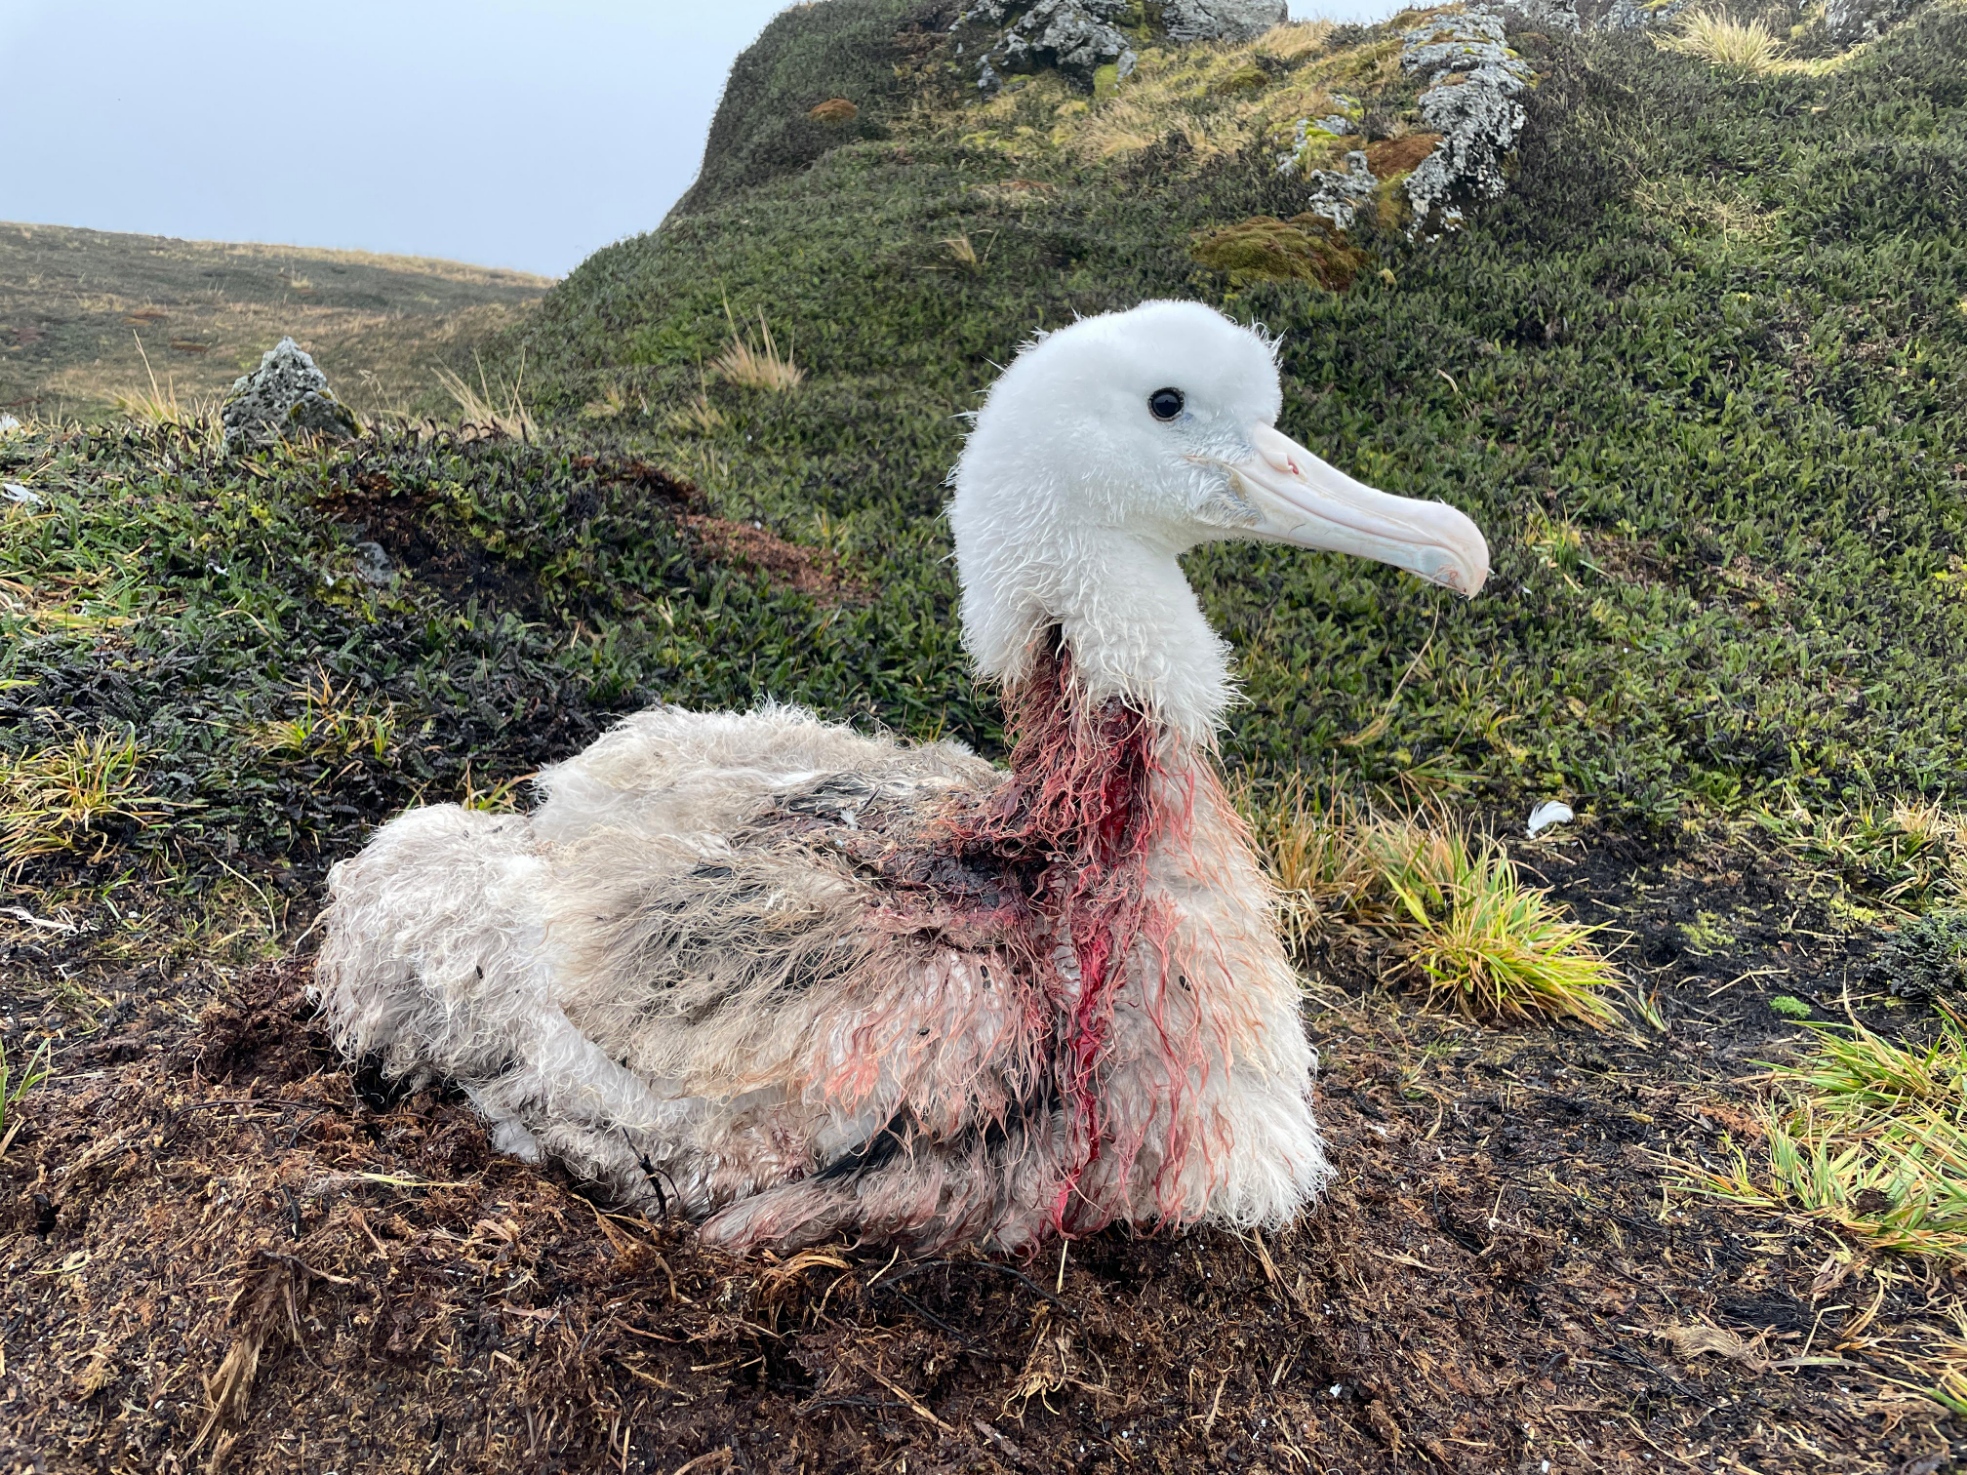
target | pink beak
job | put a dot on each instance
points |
(1303, 500)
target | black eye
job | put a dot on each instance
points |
(1165, 404)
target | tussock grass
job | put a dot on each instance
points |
(159, 406)
(1738, 48)
(502, 408)
(757, 367)
(52, 799)
(1866, 1135)
(1456, 909)
(1910, 854)
(14, 1086)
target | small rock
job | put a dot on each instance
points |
(286, 396)
(1222, 20)
(1853, 21)
(1639, 15)
(1073, 36)
(1337, 196)
(373, 566)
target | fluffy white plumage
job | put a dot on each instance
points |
(805, 982)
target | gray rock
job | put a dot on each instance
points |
(1222, 20)
(1638, 15)
(286, 396)
(1547, 15)
(1475, 82)
(1337, 196)
(373, 566)
(1072, 35)
(1853, 21)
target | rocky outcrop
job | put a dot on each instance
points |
(285, 397)
(1634, 15)
(1076, 37)
(1851, 22)
(1473, 100)
(1337, 195)
(1222, 20)
(1079, 37)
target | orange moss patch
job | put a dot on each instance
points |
(834, 110)
(1392, 156)
(814, 571)
(1266, 249)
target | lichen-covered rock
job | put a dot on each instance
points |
(1853, 21)
(1337, 195)
(1472, 100)
(1079, 37)
(1548, 15)
(286, 396)
(1075, 36)
(1221, 20)
(1312, 137)
(1635, 15)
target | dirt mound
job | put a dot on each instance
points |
(217, 1252)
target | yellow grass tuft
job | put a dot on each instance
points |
(757, 367)
(333, 724)
(1456, 910)
(501, 409)
(1740, 48)
(158, 407)
(52, 799)
(1866, 1135)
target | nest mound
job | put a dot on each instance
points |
(221, 1248)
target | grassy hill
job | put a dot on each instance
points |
(1700, 373)
(81, 311)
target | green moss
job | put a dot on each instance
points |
(1266, 249)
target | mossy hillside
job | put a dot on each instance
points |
(204, 628)
(1699, 375)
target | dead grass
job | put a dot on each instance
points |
(500, 407)
(1452, 906)
(759, 366)
(54, 799)
(157, 407)
(1217, 99)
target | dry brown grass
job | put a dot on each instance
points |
(500, 407)
(63, 797)
(1738, 48)
(208, 311)
(760, 366)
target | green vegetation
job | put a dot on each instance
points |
(1699, 375)
(14, 1088)
(1454, 911)
(1869, 1136)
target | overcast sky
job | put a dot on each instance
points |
(521, 133)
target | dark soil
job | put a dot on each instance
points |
(219, 1251)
